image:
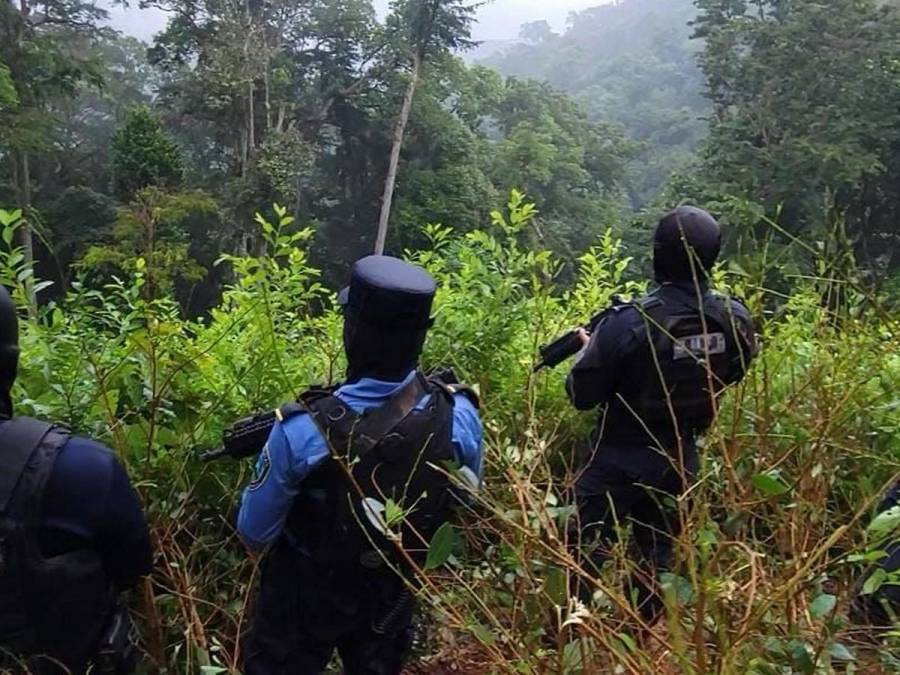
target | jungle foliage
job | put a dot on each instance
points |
(775, 529)
(163, 298)
(290, 102)
(632, 64)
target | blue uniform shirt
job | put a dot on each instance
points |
(297, 447)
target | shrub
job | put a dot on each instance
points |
(798, 458)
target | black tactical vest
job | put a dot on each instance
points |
(385, 487)
(52, 610)
(690, 354)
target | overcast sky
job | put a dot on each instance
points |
(499, 20)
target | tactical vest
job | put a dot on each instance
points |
(690, 355)
(52, 610)
(385, 486)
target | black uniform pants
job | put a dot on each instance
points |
(302, 616)
(612, 497)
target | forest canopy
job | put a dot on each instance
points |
(635, 107)
(175, 216)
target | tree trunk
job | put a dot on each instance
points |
(22, 170)
(251, 120)
(24, 237)
(245, 151)
(268, 93)
(391, 179)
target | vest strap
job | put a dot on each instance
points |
(19, 438)
(343, 428)
(376, 423)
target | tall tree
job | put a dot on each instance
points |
(44, 44)
(807, 115)
(260, 80)
(424, 28)
(144, 155)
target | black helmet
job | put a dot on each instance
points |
(387, 313)
(687, 243)
(9, 351)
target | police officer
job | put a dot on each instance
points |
(880, 609)
(72, 538)
(656, 367)
(335, 474)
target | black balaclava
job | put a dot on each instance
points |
(9, 352)
(387, 314)
(687, 242)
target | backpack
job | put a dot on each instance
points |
(52, 610)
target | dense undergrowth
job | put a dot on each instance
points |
(773, 529)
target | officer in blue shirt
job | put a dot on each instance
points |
(72, 538)
(322, 485)
(655, 367)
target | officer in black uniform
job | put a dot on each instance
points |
(880, 609)
(656, 366)
(72, 538)
(352, 485)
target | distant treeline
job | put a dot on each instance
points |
(784, 119)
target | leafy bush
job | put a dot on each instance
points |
(797, 460)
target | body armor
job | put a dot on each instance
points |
(385, 489)
(692, 350)
(52, 610)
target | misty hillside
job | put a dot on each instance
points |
(178, 216)
(633, 63)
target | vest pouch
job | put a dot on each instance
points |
(684, 368)
(75, 603)
(18, 635)
(391, 448)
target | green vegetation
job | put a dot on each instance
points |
(801, 451)
(143, 155)
(632, 64)
(813, 139)
(160, 307)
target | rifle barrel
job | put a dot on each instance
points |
(213, 455)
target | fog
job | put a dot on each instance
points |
(499, 20)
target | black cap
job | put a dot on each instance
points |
(685, 237)
(386, 289)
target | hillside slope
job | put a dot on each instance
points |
(633, 63)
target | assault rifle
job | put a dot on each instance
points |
(246, 438)
(570, 344)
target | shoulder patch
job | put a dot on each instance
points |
(262, 469)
